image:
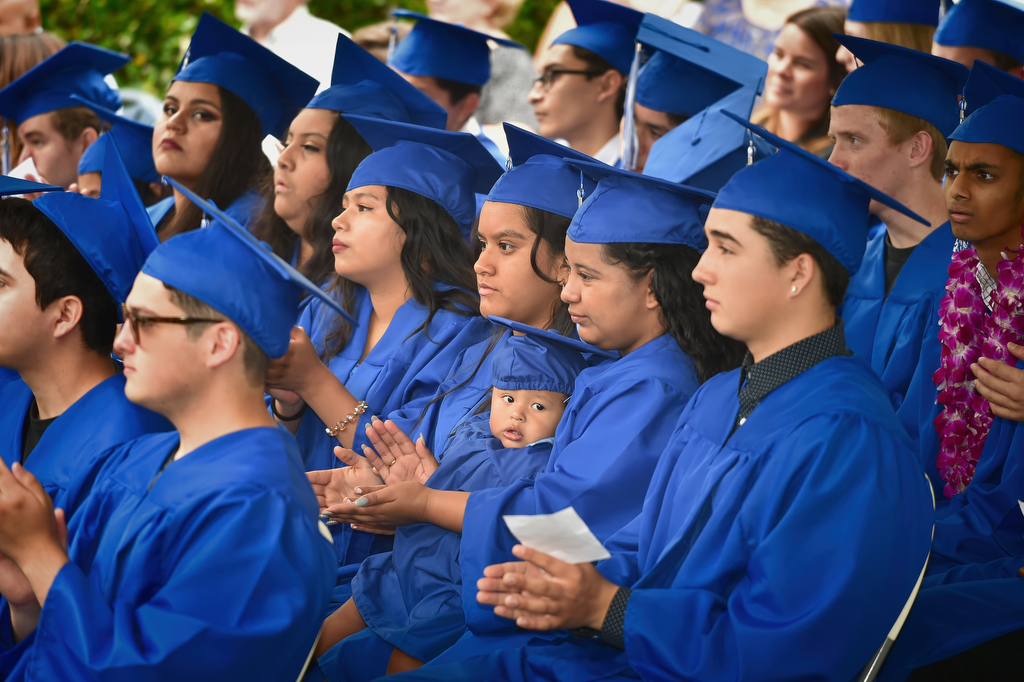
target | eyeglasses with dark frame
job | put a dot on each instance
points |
(133, 321)
(547, 79)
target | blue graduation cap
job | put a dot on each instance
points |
(539, 359)
(113, 232)
(15, 186)
(995, 101)
(987, 24)
(274, 89)
(134, 141)
(671, 214)
(540, 175)
(706, 150)
(905, 80)
(361, 85)
(605, 28)
(77, 69)
(228, 269)
(806, 193)
(900, 11)
(447, 167)
(437, 49)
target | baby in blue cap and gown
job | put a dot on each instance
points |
(786, 522)
(59, 82)
(892, 303)
(270, 92)
(972, 595)
(161, 579)
(114, 236)
(410, 599)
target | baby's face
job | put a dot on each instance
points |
(519, 418)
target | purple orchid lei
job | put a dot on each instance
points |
(969, 332)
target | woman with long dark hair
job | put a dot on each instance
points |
(230, 93)
(634, 297)
(321, 152)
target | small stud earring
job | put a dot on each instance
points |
(793, 289)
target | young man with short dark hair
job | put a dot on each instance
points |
(198, 554)
(987, 31)
(787, 521)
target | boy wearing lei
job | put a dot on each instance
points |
(972, 594)
(786, 486)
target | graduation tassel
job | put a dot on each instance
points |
(750, 149)
(963, 108)
(630, 144)
(580, 192)
(393, 38)
(5, 148)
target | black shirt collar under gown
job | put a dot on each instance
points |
(758, 379)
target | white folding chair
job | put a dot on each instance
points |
(309, 658)
(874, 666)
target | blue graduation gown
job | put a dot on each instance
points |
(972, 592)
(165, 582)
(411, 598)
(785, 551)
(440, 421)
(404, 364)
(607, 445)
(890, 332)
(245, 209)
(77, 443)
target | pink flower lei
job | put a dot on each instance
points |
(968, 332)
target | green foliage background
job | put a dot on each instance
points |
(156, 32)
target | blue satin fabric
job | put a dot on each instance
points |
(756, 556)
(164, 584)
(898, 335)
(607, 445)
(440, 421)
(972, 592)
(411, 598)
(76, 444)
(244, 210)
(405, 364)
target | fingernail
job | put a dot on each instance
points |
(422, 439)
(374, 418)
(326, 514)
(330, 522)
(362, 502)
(368, 427)
(359, 490)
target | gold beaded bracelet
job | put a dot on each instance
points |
(361, 407)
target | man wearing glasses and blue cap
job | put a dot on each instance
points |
(52, 123)
(159, 579)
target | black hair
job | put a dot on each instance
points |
(344, 151)
(146, 193)
(457, 91)
(59, 270)
(600, 66)
(681, 302)
(436, 261)
(549, 228)
(786, 244)
(238, 164)
(1004, 62)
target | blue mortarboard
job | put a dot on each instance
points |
(984, 23)
(690, 71)
(77, 69)
(605, 28)
(14, 186)
(540, 176)
(447, 167)
(361, 85)
(539, 360)
(706, 150)
(806, 193)
(134, 142)
(228, 269)
(437, 49)
(899, 11)
(670, 213)
(995, 101)
(114, 232)
(271, 86)
(903, 79)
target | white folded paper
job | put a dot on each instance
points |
(563, 535)
(1021, 503)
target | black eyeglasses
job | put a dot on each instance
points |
(547, 79)
(133, 321)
